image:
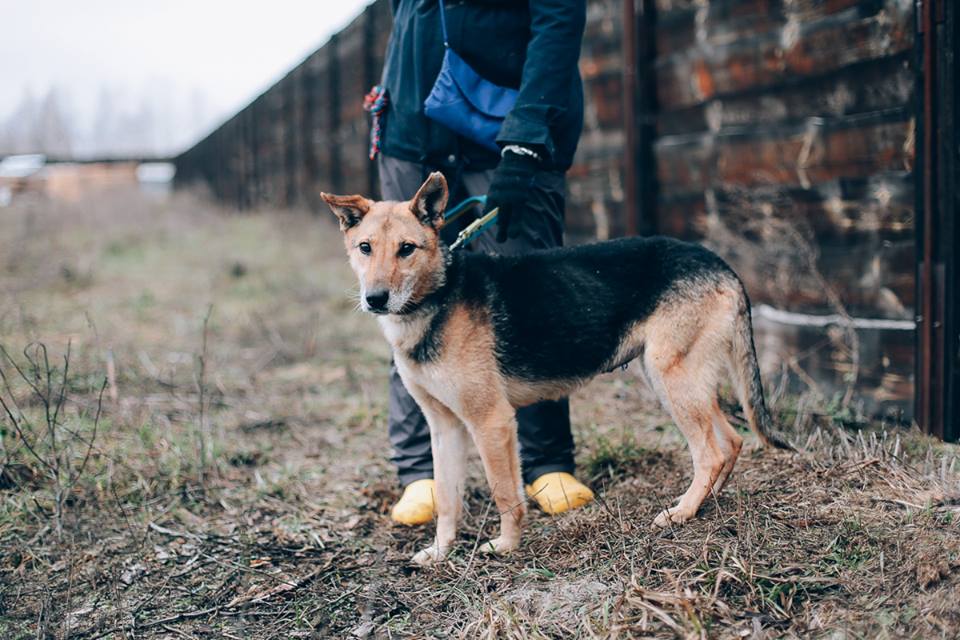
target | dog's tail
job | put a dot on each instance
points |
(746, 376)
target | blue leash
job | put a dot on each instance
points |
(476, 227)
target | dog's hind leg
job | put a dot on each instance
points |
(709, 461)
(683, 361)
(448, 444)
(730, 443)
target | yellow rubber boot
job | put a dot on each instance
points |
(416, 505)
(559, 491)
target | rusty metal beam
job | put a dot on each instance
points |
(938, 342)
(948, 234)
(629, 48)
(639, 107)
(927, 173)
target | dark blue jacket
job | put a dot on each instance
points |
(531, 46)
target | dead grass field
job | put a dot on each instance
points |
(283, 531)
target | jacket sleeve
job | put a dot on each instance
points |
(556, 32)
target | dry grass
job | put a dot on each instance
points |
(287, 535)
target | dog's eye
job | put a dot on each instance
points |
(364, 248)
(406, 249)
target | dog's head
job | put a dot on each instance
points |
(394, 247)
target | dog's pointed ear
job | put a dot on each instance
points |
(348, 209)
(431, 200)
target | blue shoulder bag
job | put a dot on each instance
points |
(465, 102)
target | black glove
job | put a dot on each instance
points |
(509, 190)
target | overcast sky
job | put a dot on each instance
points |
(202, 59)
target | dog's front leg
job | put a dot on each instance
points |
(494, 430)
(448, 444)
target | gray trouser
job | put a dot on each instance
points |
(546, 443)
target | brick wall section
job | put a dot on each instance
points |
(784, 141)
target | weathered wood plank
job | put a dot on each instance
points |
(877, 85)
(854, 235)
(783, 156)
(775, 57)
(723, 21)
(872, 279)
(845, 210)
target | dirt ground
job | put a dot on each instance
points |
(237, 483)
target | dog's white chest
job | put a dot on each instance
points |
(402, 335)
(434, 379)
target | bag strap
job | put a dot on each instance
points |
(443, 25)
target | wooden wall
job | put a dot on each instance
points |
(784, 139)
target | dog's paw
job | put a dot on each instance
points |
(429, 556)
(673, 515)
(499, 546)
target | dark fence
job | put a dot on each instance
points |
(786, 141)
(779, 132)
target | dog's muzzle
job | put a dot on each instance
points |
(377, 301)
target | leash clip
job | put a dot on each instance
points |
(476, 227)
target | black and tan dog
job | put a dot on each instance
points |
(475, 336)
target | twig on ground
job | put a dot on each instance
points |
(201, 383)
(171, 532)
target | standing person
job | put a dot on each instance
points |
(533, 47)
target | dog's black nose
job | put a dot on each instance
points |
(377, 300)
